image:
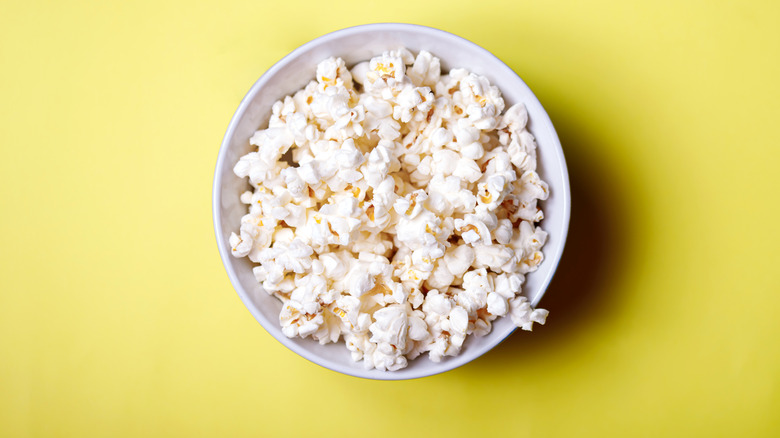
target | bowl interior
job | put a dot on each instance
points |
(354, 45)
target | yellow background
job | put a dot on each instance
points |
(117, 318)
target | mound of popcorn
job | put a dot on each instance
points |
(395, 207)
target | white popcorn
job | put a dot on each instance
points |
(472, 151)
(476, 286)
(514, 119)
(407, 101)
(359, 282)
(241, 247)
(347, 308)
(407, 217)
(523, 315)
(333, 265)
(419, 231)
(390, 326)
(467, 169)
(441, 137)
(426, 70)
(503, 231)
(492, 257)
(425, 257)
(348, 156)
(522, 150)
(441, 277)
(473, 229)
(418, 330)
(386, 67)
(296, 322)
(496, 304)
(458, 259)
(445, 161)
(411, 205)
(436, 305)
(295, 257)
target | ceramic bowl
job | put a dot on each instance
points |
(357, 44)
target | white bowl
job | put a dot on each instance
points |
(357, 44)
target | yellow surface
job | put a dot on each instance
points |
(117, 318)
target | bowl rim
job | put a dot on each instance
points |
(451, 362)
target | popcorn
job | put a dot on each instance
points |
(458, 259)
(419, 231)
(359, 282)
(387, 68)
(440, 277)
(411, 205)
(441, 137)
(523, 315)
(492, 256)
(444, 161)
(497, 304)
(390, 327)
(467, 169)
(472, 229)
(426, 70)
(503, 232)
(295, 323)
(406, 218)
(425, 257)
